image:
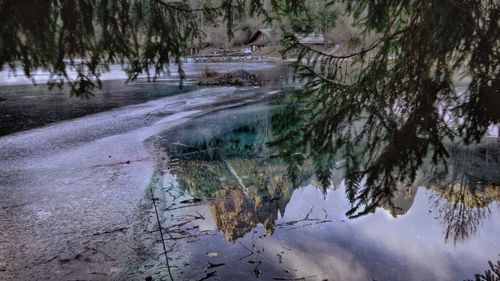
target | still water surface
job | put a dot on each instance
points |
(24, 106)
(232, 212)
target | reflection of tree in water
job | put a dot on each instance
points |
(374, 173)
(464, 185)
(465, 190)
(462, 189)
(459, 220)
(491, 274)
(249, 191)
(401, 200)
(228, 163)
(237, 213)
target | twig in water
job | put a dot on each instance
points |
(295, 279)
(214, 265)
(161, 234)
(256, 270)
(209, 275)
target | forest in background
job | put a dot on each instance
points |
(319, 18)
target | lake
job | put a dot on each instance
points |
(87, 185)
(231, 211)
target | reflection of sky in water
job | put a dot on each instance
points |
(379, 246)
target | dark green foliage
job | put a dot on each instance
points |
(86, 36)
(380, 111)
(394, 103)
(283, 122)
(492, 274)
(303, 23)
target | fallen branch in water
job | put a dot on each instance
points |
(311, 221)
(209, 275)
(161, 234)
(294, 279)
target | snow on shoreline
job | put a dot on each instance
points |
(192, 69)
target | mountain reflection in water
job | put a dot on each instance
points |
(223, 159)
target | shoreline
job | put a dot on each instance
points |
(71, 194)
(40, 76)
(24, 107)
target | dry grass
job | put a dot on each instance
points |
(206, 72)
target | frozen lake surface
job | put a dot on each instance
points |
(82, 183)
(25, 106)
(72, 192)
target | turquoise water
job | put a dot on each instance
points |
(233, 211)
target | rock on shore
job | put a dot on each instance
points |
(233, 78)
